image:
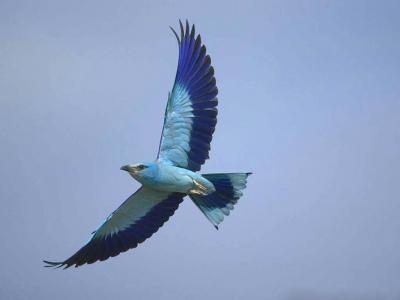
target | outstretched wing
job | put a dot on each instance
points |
(191, 112)
(141, 215)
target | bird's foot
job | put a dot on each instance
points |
(197, 192)
(199, 189)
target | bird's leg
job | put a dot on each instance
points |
(199, 190)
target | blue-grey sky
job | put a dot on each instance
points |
(309, 102)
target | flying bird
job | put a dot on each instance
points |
(189, 123)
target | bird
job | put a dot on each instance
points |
(189, 123)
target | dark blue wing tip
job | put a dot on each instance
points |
(184, 31)
(52, 264)
(57, 265)
(176, 35)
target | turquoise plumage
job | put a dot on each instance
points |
(189, 123)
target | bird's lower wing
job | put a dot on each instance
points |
(141, 215)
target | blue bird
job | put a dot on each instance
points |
(189, 123)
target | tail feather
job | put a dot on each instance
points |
(229, 188)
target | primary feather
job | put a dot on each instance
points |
(141, 215)
(191, 112)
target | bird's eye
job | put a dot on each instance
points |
(141, 167)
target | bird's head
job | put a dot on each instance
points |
(140, 171)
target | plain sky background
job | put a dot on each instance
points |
(309, 102)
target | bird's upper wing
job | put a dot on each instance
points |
(133, 222)
(191, 112)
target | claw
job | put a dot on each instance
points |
(199, 185)
(197, 192)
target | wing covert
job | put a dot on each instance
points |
(191, 112)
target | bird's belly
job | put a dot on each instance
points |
(175, 179)
(176, 183)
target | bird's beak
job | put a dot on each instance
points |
(127, 168)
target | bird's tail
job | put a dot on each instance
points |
(229, 188)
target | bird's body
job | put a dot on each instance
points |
(189, 123)
(165, 177)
